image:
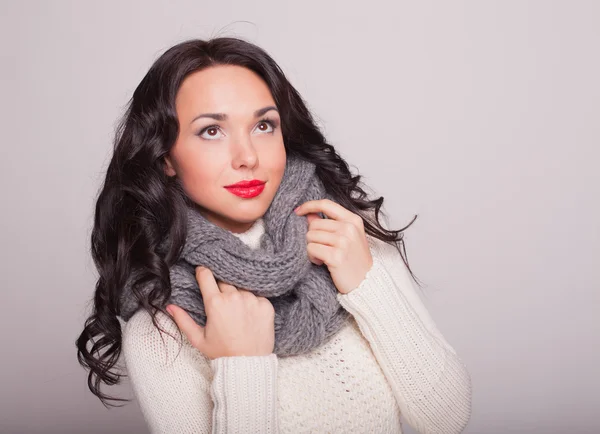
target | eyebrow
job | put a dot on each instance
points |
(222, 116)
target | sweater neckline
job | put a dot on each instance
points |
(251, 237)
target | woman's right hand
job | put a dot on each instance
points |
(238, 323)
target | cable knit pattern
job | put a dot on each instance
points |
(388, 361)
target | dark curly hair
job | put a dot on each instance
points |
(138, 204)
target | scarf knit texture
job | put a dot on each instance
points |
(303, 295)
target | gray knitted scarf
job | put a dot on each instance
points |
(303, 294)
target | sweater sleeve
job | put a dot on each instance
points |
(244, 390)
(179, 390)
(430, 383)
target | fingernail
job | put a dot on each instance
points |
(297, 208)
(170, 310)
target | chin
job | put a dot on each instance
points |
(250, 210)
(228, 212)
(249, 216)
(244, 212)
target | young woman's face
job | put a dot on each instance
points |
(230, 131)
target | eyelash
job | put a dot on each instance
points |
(271, 122)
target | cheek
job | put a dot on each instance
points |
(200, 179)
(276, 161)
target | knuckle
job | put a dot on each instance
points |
(222, 285)
(266, 306)
(213, 302)
(247, 295)
(235, 296)
(344, 242)
(350, 229)
(265, 301)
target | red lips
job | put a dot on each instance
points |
(246, 184)
(247, 189)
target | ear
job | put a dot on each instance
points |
(169, 169)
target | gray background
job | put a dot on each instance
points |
(482, 117)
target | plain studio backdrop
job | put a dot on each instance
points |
(480, 117)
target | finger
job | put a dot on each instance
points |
(328, 225)
(207, 283)
(192, 330)
(328, 207)
(312, 217)
(319, 253)
(323, 237)
(226, 287)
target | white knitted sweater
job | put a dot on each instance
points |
(389, 360)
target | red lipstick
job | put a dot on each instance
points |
(247, 189)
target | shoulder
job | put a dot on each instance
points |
(141, 325)
(386, 255)
(143, 341)
(384, 252)
(375, 244)
(380, 247)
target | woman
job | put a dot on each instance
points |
(244, 273)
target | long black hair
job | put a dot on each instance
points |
(138, 204)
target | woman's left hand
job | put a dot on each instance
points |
(338, 241)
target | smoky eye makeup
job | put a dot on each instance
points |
(272, 122)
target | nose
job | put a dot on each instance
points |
(244, 153)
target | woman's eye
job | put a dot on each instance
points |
(213, 132)
(265, 127)
(210, 133)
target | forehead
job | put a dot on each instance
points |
(229, 89)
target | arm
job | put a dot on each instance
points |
(244, 390)
(430, 383)
(179, 390)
